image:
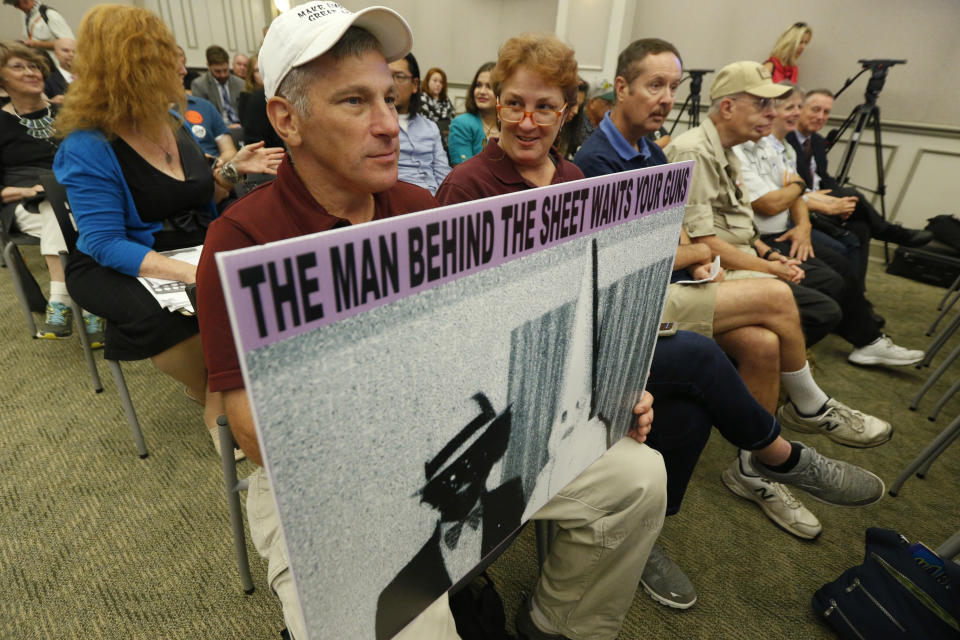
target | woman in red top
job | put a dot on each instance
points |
(782, 62)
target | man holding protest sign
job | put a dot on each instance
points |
(331, 97)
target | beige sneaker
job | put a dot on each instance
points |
(238, 453)
(840, 423)
(776, 501)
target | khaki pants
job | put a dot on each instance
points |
(691, 306)
(607, 519)
(42, 225)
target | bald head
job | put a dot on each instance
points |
(240, 65)
(63, 49)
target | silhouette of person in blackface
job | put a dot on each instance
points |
(472, 520)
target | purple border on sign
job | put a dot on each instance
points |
(314, 280)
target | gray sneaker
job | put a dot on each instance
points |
(838, 422)
(665, 582)
(831, 481)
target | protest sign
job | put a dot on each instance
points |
(421, 385)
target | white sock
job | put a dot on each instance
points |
(58, 292)
(745, 463)
(540, 620)
(803, 390)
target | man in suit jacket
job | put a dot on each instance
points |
(472, 520)
(219, 86)
(842, 205)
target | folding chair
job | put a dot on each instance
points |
(57, 196)
(921, 464)
(25, 286)
(949, 299)
(232, 487)
(950, 548)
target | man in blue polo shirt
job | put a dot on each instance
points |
(642, 106)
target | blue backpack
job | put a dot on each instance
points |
(901, 590)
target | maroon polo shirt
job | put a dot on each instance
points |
(278, 210)
(492, 173)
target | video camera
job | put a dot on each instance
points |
(878, 68)
(878, 75)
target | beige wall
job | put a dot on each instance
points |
(460, 35)
(11, 20)
(710, 35)
(235, 25)
(921, 165)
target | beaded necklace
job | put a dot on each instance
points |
(40, 128)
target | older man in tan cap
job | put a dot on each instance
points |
(718, 210)
(719, 215)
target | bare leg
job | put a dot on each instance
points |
(775, 453)
(757, 352)
(184, 363)
(55, 269)
(766, 303)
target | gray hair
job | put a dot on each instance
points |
(795, 90)
(715, 105)
(295, 87)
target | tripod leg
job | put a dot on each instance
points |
(680, 114)
(881, 183)
(862, 113)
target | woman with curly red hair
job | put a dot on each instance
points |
(138, 184)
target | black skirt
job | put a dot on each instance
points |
(137, 326)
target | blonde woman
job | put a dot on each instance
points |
(782, 62)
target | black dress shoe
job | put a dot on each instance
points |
(905, 237)
(527, 630)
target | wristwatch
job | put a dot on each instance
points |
(230, 174)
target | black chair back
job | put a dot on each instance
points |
(57, 197)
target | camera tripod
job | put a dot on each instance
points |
(693, 100)
(867, 113)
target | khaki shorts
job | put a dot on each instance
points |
(690, 307)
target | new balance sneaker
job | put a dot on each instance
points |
(57, 323)
(831, 481)
(95, 326)
(526, 628)
(776, 501)
(838, 422)
(665, 582)
(883, 351)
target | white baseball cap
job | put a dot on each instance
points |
(307, 31)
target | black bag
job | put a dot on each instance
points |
(945, 229)
(478, 611)
(935, 264)
(900, 591)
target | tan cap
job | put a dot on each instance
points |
(746, 77)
